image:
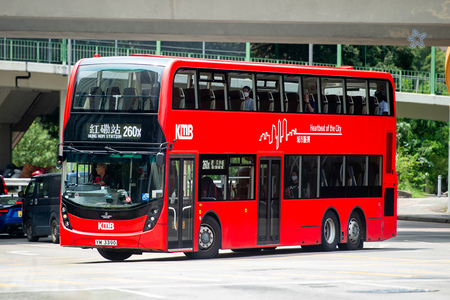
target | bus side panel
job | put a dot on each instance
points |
(238, 220)
(302, 219)
(373, 229)
(300, 224)
(389, 227)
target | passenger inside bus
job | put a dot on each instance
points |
(209, 190)
(382, 104)
(310, 104)
(248, 101)
(292, 190)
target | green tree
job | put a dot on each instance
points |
(50, 123)
(422, 148)
(37, 147)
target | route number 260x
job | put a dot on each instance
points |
(132, 131)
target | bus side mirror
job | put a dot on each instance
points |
(21, 194)
(160, 159)
(59, 160)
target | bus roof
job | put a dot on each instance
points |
(164, 61)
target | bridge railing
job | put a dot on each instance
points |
(56, 52)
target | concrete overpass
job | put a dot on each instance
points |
(27, 90)
(382, 22)
(422, 106)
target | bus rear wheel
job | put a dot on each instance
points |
(114, 255)
(209, 237)
(354, 234)
(330, 232)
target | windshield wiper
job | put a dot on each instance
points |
(109, 148)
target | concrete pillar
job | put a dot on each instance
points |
(247, 52)
(433, 71)
(158, 47)
(339, 55)
(62, 104)
(5, 145)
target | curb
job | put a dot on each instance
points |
(425, 218)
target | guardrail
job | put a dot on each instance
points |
(56, 52)
(19, 182)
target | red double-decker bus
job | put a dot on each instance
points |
(189, 155)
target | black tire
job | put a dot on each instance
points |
(30, 233)
(114, 255)
(209, 240)
(330, 232)
(54, 232)
(355, 231)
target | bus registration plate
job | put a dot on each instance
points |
(105, 242)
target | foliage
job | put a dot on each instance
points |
(36, 147)
(422, 150)
(50, 123)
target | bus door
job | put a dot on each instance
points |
(180, 221)
(269, 200)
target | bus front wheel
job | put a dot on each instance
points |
(209, 237)
(114, 255)
(330, 232)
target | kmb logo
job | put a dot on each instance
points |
(184, 132)
(105, 226)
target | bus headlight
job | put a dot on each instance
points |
(153, 215)
(65, 216)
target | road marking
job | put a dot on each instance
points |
(9, 285)
(60, 281)
(23, 253)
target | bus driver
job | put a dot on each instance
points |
(102, 178)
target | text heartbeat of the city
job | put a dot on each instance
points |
(281, 132)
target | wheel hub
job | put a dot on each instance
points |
(329, 230)
(206, 237)
(353, 231)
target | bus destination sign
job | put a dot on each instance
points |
(213, 164)
(110, 131)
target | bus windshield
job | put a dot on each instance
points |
(112, 181)
(117, 88)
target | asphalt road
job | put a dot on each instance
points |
(414, 265)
